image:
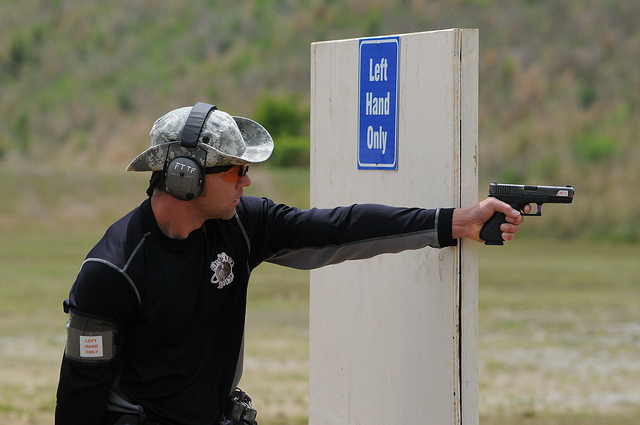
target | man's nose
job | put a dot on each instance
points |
(245, 181)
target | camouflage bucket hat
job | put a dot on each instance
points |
(226, 140)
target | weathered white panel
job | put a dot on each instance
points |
(469, 249)
(385, 333)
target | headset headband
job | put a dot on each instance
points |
(195, 122)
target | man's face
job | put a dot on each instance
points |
(219, 198)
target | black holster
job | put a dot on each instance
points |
(239, 410)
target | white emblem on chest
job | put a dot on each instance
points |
(222, 270)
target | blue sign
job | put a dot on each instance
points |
(378, 104)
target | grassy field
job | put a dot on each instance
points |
(560, 333)
(559, 321)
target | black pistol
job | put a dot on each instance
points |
(518, 195)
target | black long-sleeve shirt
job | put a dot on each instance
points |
(179, 305)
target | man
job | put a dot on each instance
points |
(157, 311)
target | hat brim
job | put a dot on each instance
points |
(259, 146)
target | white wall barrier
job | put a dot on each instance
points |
(393, 340)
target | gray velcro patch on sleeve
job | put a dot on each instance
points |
(90, 340)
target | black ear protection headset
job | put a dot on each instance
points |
(184, 176)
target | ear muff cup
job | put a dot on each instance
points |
(184, 178)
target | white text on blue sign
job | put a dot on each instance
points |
(377, 139)
(378, 103)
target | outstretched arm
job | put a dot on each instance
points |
(467, 222)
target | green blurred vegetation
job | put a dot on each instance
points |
(82, 83)
(288, 124)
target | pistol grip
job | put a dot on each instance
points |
(490, 232)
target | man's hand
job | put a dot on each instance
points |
(467, 222)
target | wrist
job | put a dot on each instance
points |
(459, 223)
